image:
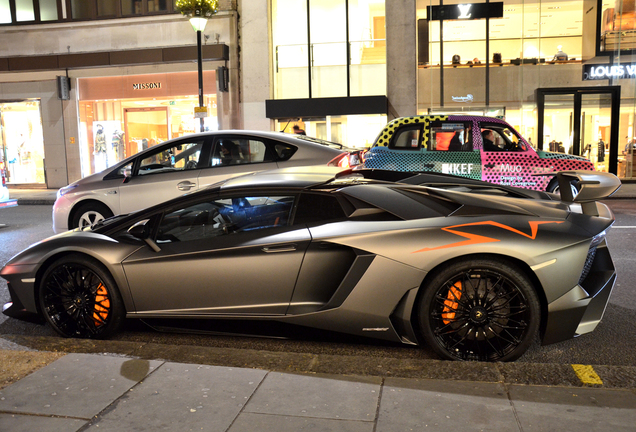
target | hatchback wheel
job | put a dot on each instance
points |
(479, 310)
(88, 214)
(80, 299)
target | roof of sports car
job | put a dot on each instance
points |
(297, 177)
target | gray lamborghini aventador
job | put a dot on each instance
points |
(474, 270)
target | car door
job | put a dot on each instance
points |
(235, 154)
(450, 149)
(227, 255)
(507, 160)
(165, 172)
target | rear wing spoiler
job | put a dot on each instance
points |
(591, 185)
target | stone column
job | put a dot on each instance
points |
(255, 69)
(401, 57)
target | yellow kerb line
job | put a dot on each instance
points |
(587, 375)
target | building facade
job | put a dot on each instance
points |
(561, 72)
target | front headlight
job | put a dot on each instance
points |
(66, 189)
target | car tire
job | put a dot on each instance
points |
(89, 214)
(479, 309)
(553, 187)
(79, 298)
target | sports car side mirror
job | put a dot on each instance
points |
(139, 231)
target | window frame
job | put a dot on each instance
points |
(65, 5)
(398, 133)
(497, 128)
(244, 194)
(438, 123)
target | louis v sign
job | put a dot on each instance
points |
(605, 71)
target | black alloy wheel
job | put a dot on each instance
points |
(479, 310)
(80, 299)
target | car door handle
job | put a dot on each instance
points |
(185, 185)
(283, 248)
(489, 165)
(429, 166)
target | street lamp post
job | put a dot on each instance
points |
(198, 24)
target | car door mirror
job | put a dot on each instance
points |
(127, 173)
(140, 230)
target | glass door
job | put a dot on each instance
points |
(558, 123)
(581, 121)
(595, 132)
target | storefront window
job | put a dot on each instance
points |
(24, 10)
(48, 10)
(5, 12)
(357, 131)
(121, 116)
(106, 8)
(81, 9)
(618, 26)
(323, 46)
(22, 142)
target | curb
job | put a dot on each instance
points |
(535, 374)
(31, 201)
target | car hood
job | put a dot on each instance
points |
(68, 241)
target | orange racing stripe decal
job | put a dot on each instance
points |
(478, 239)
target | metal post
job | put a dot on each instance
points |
(200, 61)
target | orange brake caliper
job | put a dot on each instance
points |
(102, 305)
(450, 304)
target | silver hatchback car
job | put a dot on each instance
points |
(185, 164)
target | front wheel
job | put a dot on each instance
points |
(89, 214)
(479, 310)
(80, 299)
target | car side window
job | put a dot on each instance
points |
(450, 136)
(236, 151)
(225, 216)
(314, 208)
(407, 138)
(497, 137)
(179, 157)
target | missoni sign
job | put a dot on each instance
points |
(147, 86)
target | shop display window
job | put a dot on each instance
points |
(526, 32)
(310, 39)
(21, 142)
(138, 116)
(618, 25)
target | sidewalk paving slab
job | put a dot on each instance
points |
(445, 406)
(329, 397)
(182, 397)
(76, 385)
(579, 409)
(30, 423)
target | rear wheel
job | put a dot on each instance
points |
(553, 187)
(89, 214)
(480, 310)
(80, 299)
